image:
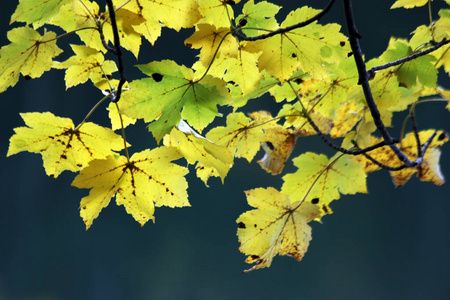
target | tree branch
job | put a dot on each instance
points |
(115, 97)
(364, 82)
(286, 29)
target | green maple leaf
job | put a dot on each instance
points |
(420, 70)
(258, 16)
(172, 93)
(29, 54)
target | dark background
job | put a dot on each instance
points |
(389, 244)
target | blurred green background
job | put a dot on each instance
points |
(389, 244)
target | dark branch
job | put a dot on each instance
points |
(286, 29)
(408, 58)
(115, 97)
(364, 82)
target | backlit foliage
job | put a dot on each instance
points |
(315, 70)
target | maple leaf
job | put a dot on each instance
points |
(241, 136)
(277, 226)
(147, 180)
(420, 70)
(29, 54)
(172, 93)
(216, 12)
(157, 13)
(61, 145)
(81, 15)
(258, 16)
(116, 122)
(195, 148)
(320, 180)
(87, 63)
(278, 144)
(38, 12)
(213, 42)
(409, 3)
(306, 48)
(429, 170)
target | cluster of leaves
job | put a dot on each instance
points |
(313, 70)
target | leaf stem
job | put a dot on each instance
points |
(91, 112)
(123, 133)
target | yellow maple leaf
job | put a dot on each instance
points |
(147, 180)
(320, 180)
(409, 3)
(306, 48)
(216, 12)
(277, 226)
(241, 136)
(208, 38)
(61, 145)
(429, 170)
(87, 63)
(195, 148)
(38, 12)
(154, 14)
(29, 54)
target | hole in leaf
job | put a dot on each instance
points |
(241, 225)
(442, 136)
(315, 201)
(243, 22)
(294, 55)
(342, 43)
(270, 145)
(157, 77)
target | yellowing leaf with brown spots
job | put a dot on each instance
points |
(429, 170)
(277, 226)
(29, 54)
(149, 179)
(320, 180)
(278, 144)
(61, 145)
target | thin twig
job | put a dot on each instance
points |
(286, 29)
(416, 131)
(408, 58)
